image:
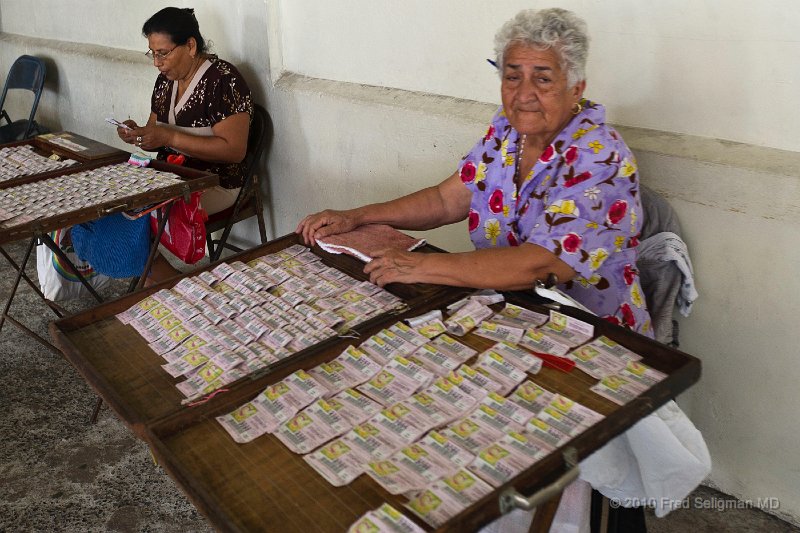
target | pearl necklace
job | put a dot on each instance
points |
(520, 151)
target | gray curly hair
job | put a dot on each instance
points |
(555, 28)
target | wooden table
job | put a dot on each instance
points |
(261, 486)
(95, 156)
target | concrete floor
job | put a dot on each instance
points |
(57, 473)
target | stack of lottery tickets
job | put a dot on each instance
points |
(216, 327)
(54, 196)
(18, 161)
(425, 415)
(430, 418)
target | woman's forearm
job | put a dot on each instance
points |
(428, 208)
(507, 268)
(228, 144)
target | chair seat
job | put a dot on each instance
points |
(220, 218)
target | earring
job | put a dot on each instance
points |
(577, 109)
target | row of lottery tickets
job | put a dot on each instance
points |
(427, 416)
(22, 160)
(223, 324)
(53, 196)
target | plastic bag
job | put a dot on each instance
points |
(185, 231)
(57, 279)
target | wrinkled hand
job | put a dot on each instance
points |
(146, 137)
(395, 266)
(127, 135)
(324, 223)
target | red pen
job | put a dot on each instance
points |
(554, 361)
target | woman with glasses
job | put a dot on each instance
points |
(200, 108)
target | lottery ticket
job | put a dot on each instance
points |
(402, 421)
(471, 434)
(518, 357)
(410, 370)
(457, 350)
(379, 348)
(360, 364)
(480, 379)
(396, 477)
(595, 362)
(500, 369)
(456, 395)
(545, 432)
(444, 451)
(370, 442)
(435, 360)
(531, 397)
(580, 413)
(526, 445)
(487, 416)
(609, 346)
(336, 462)
(185, 364)
(556, 419)
(499, 332)
(467, 318)
(432, 328)
(640, 373)
(408, 334)
(447, 497)
(507, 408)
(388, 387)
(305, 432)
(284, 399)
(519, 317)
(617, 389)
(385, 519)
(499, 462)
(536, 341)
(246, 423)
(335, 376)
(567, 330)
(431, 410)
(355, 407)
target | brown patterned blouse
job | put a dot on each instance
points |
(217, 92)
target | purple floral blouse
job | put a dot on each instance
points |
(580, 202)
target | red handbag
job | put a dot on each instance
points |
(185, 231)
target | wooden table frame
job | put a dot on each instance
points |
(227, 481)
(38, 230)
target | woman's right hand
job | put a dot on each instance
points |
(127, 135)
(324, 223)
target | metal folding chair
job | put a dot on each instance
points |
(249, 202)
(26, 73)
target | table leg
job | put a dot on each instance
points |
(57, 309)
(545, 513)
(96, 410)
(15, 286)
(162, 222)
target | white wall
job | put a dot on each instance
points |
(394, 118)
(712, 68)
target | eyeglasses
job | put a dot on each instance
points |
(160, 56)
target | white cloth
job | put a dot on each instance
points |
(574, 510)
(667, 246)
(658, 462)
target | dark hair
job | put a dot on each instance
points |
(179, 23)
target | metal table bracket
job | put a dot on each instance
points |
(510, 499)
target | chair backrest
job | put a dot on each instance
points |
(26, 73)
(260, 131)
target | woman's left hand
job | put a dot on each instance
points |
(151, 138)
(395, 266)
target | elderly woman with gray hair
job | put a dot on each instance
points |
(549, 189)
